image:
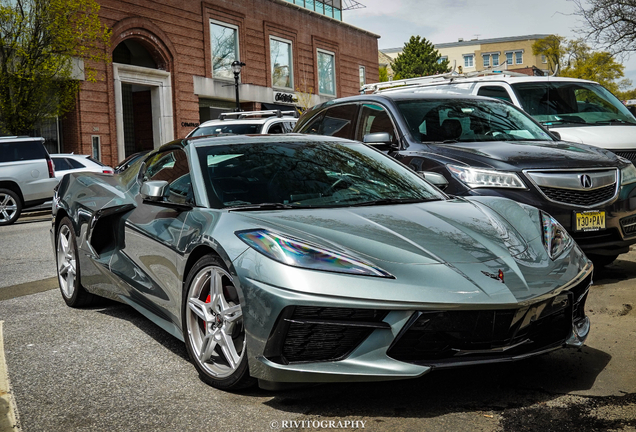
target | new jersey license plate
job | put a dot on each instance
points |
(590, 221)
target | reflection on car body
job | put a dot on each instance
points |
(317, 259)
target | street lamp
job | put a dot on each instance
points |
(236, 68)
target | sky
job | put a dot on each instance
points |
(448, 20)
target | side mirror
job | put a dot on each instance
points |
(377, 138)
(435, 179)
(556, 134)
(153, 190)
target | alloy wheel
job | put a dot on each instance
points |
(215, 322)
(66, 264)
(8, 207)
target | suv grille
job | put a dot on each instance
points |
(580, 197)
(627, 154)
(448, 337)
(628, 225)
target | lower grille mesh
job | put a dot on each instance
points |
(580, 197)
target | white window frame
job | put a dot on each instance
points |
(237, 49)
(335, 86)
(97, 156)
(441, 59)
(472, 60)
(291, 61)
(544, 58)
(362, 73)
(518, 57)
(486, 60)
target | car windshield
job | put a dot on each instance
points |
(272, 174)
(230, 128)
(568, 103)
(468, 120)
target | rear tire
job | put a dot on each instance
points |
(602, 260)
(68, 268)
(10, 207)
(213, 328)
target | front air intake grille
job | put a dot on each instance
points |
(628, 225)
(310, 334)
(580, 197)
(448, 337)
(627, 154)
(590, 239)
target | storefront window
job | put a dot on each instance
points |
(281, 60)
(326, 73)
(224, 43)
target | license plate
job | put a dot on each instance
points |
(590, 221)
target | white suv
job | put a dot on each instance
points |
(580, 111)
(247, 123)
(27, 176)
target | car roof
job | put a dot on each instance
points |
(205, 141)
(20, 139)
(71, 155)
(259, 120)
(405, 95)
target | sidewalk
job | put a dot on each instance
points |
(9, 421)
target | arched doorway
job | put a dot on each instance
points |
(143, 98)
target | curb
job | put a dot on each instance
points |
(9, 420)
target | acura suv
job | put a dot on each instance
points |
(471, 145)
(27, 176)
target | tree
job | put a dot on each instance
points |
(418, 58)
(575, 59)
(42, 44)
(612, 24)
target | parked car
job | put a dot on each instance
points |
(483, 146)
(315, 259)
(67, 163)
(578, 110)
(27, 176)
(248, 122)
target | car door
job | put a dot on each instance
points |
(152, 234)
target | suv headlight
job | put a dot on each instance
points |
(484, 178)
(628, 174)
(298, 253)
(555, 238)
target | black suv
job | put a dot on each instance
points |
(472, 145)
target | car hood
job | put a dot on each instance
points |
(455, 231)
(519, 155)
(614, 137)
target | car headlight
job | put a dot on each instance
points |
(628, 174)
(298, 253)
(480, 178)
(555, 238)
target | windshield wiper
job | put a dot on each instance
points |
(263, 206)
(610, 121)
(563, 120)
(386, 201)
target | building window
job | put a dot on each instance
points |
(519, 57)
(509, 58)
(495, 59)
(441, 59)
(363, 76)
(544, 59)
(469, 60)
(96, 147)
(326, 73)
(280, 51)
(486, 58)
(225, 49)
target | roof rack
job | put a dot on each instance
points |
(248, 114)
(448, 76)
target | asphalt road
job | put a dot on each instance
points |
(109, 369)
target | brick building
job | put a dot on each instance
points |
(171, 68)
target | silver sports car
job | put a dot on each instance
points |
(314, 259)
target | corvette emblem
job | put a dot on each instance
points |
(499, 276)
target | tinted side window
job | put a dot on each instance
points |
(339, 121)
(373, 119)
(61, 164)
(313, 126)
(172, 166)
(276, 128)
(495, 92)
(21, 151)
(75, 164)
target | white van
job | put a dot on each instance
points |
(580, 111)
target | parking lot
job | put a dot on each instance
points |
(109, 368)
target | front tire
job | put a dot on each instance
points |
(10, 207)
(213, 326)
(68, 270)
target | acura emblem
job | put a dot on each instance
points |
(586, 181)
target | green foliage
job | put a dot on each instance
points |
(418, 58)
(384, 74)
(577, 60)
(42, 42)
